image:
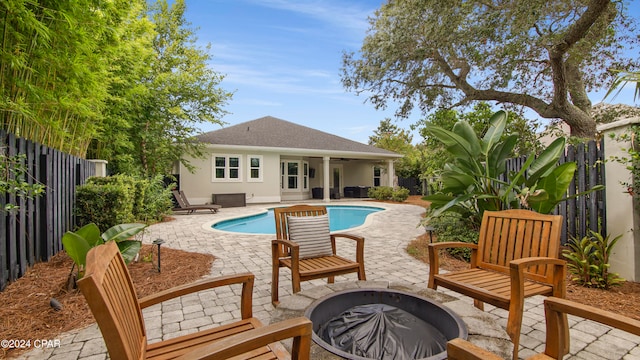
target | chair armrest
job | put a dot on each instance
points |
(556, 310)
(285, 242)
(434, 258)
(359, 244)
(297, 328)
(458, 349)
(245, 279)
(558, 305)
(557, 279)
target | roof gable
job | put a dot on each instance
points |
(269, 131)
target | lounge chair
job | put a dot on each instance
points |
(183, 204)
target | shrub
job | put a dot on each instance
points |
(388, 193)
(451, 226)
(119, 199)
(588, 261)
(157, 200)
(102, 205)
(400, 194)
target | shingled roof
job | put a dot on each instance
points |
(272, 132)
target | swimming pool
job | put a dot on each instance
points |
(341, 217)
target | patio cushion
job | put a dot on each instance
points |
(312, 234)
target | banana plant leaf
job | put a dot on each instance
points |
(129, 249)
(498, 122)
(546, 161)
(91, 234)
(123, 231)
(77, 248)
(555, 187)
(457, 145)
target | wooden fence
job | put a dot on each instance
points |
(586, 212)
(34, 232)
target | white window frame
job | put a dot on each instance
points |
(302, 178)
(227, 168)
(379, 177)
(260, 168)
(305, 176)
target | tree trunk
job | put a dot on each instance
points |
(581, 123)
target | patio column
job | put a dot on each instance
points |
(390, 172)
(326, 183)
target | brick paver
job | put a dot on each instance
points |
(387, 234)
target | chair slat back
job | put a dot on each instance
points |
(109, 291)
(185, 201)
(178, 195)
(281, 213)
(514, 234)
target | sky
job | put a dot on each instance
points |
(282, 58)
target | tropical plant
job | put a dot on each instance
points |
(623, 78)
(474, 182)
(478, 118)
(77, 244)
(588, 260)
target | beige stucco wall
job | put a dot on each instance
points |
(622, 217)
(199, 186)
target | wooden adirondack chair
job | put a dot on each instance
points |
(286, 252)
(111, 296)
(556, 310)
(517, 256)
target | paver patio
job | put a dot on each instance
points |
(386, 235)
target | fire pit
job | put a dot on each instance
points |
(383, 324)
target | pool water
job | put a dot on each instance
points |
(340, 218)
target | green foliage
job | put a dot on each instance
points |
(631, 161)
(472, 183)
(390, 137)
(120, 80)
(588, 261)
(161, 110)
(452, 226)
(157, 200)
(77, 244)
(103, 205)
(547, 56)
(388, 193)
(478, 119)
(107, 201)
(14, 180)
(401, 194)
(622, 79)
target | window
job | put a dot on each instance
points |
(254, 168)
(226, 168)
(293, 174)
(305, 176)
(377, 176)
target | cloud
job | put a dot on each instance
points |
(342, 14)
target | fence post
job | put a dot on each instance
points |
(622, 216)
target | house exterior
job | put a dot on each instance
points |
(269, 160)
